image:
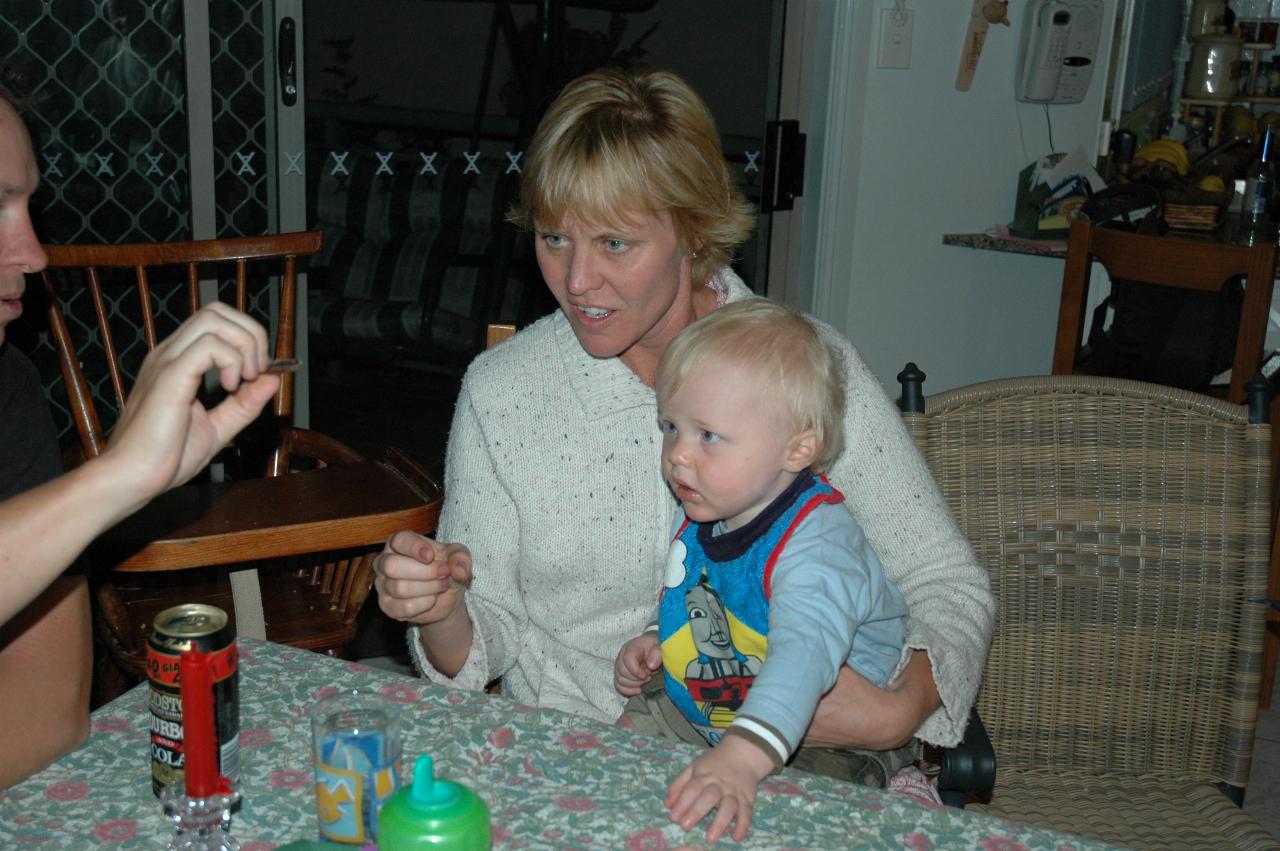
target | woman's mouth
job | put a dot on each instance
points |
(593, 313)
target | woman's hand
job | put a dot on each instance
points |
(419, 580)
(856, 714)
(636, 662)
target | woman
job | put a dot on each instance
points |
(556, 511)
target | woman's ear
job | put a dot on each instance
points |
(801, 451)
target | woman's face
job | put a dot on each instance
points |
(625, 290)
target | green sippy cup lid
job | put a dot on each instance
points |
(432, 814)
(428, 792)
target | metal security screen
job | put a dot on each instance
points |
(106, 102)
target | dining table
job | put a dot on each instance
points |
(550, 779)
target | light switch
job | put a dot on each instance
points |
(895, 38)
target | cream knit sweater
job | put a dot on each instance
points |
(553, 481)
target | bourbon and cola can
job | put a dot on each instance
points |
(207, 630)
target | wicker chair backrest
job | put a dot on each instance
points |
(1126, 530)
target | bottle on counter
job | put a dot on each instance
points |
(1260, 184)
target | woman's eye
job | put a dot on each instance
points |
(709, 437)
(553, 240)
(615, 245)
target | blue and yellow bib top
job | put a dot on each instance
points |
(798, 586)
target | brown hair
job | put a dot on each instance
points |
(625, 142)
(785, 355)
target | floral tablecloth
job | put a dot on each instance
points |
(551, 780)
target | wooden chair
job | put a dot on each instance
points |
(312, 525)
(1184, 263)
(1189, 264)
(497, 332)
(1126, 528)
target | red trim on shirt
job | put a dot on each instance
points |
(814, 501)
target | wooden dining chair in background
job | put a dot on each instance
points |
(287, 545)
(1191, 264)
(1126, 531)
(497, 332)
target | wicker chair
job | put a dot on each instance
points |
(1127, 532)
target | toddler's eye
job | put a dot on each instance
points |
(666, 427)
(709, 436)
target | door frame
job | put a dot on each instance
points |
(820, 87)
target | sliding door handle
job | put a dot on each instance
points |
(287, 58)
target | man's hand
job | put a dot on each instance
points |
(637, 661)
(856, 714)
(724, 779)
(164, 435)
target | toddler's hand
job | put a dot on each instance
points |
(724, 779)
(637, 660)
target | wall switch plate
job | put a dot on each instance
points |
(895, 38)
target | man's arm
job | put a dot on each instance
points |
(46, 665)
(163, 438)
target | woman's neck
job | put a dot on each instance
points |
(642, 358)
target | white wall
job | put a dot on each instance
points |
(912, 159)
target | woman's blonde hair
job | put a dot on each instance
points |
(617, 143)
(782, 351)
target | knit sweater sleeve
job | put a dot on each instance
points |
(479, 513)
(893, 496)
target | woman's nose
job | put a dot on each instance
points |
(582, 273)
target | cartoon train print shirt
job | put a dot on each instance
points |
(802, 565)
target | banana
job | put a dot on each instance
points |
(1175, 151)
(1168, 150)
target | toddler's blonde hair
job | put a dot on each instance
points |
(783, 352)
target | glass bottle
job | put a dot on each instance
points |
(1260, 184)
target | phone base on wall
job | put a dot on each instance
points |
(895, 39)
(1057, 51)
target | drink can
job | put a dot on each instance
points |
(207, 630)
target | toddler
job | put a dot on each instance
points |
(770, 586)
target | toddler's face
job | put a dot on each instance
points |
(727, 451)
